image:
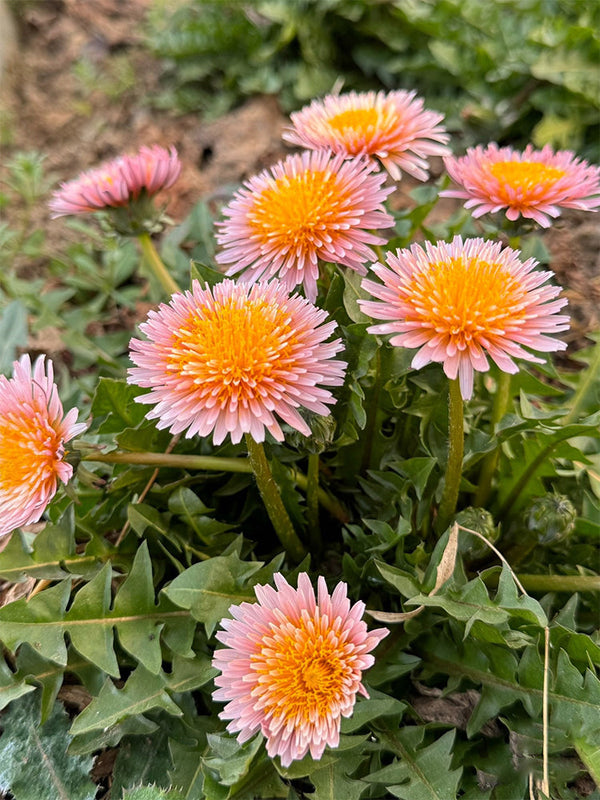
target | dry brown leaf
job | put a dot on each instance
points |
(444, 573)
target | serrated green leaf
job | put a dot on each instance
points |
(332, 780)
(353, 292)
(570, 689)
(423, 773)
(11, 686)
(574, 699)
(517, 604)
(52, 556)
(378, 705)
(48, 676)
(142, 692)
(229, 759)
(142, 516)
(34, 621)
(209, 588)
(115, 400)
(187, 775)
(34, 764)
(102, 738)
(589, 753)
(204, 274)
(469, 604)
(417, 470)
(151, 793)
(141, 760)
(401, 580)
(42, 621)
(93, 641)
(134, 613)
(191, 673)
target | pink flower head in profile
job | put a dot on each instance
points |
(292, 666)
(458, 302)
(118, 182)
(534, 184)
(231, 359)
(309, 207)
(391, 127)
(33, 431)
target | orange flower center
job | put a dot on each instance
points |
(303, 673)
(360, 120)
(465, 299)
(30, 449)
(525, 176)
(232, 349)
(293, 214)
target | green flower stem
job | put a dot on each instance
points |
(490, 462)
(312, 502)
(380, 254)
(455, 458)
(209, 464)
(269, 491)
(554, 583)
(156, 264)
(590, 377)
(372, 411)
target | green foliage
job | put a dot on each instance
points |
(500, 71)
(33, 757)
(422, 772)
(145, 552)
(150, 793)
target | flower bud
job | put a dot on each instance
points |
(550, 519)
(481, 521)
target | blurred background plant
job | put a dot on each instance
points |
(509, 71)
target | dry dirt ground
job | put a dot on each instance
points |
(78, 89)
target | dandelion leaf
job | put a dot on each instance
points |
(11, 685)
(34, 764)
(142, 692)
(151, 793)
(142, 760)
(422, 773)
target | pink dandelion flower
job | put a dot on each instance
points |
(33, 431)
(118, 182)
(309, 207)
(459, 301)
(534, 184)
(228, 360)
(292, 666)
(391, 127)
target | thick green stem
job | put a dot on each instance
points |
(312, 502)
(372, 411)
(207, 463)
(554, 583)
(269, 491)
(156, 264)
(380, 254)
(455, 458)
(490, 462)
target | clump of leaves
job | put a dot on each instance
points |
(487, 686)
(498, 71)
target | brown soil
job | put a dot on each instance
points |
(78, 91)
